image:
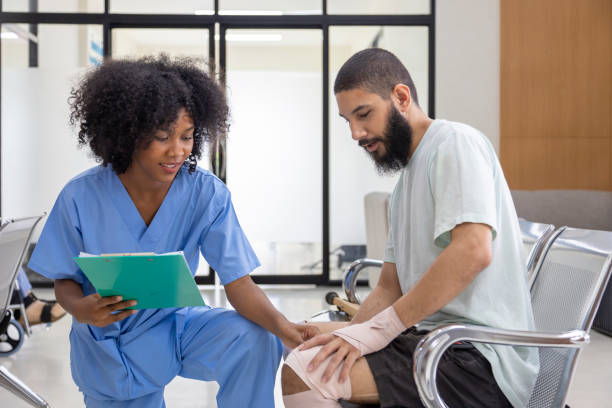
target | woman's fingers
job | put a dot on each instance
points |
(108, 300)
(318, 340)
(122, 305)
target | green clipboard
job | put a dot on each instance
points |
(155, 281)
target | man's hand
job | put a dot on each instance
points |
(340, 351)
(100, 311)
(294, 334)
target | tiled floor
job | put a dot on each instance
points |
(43, 364)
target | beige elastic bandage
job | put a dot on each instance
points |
(309, 399)
(298, 360)
(374, 334)
(369, 337)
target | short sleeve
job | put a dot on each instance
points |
(59, 242)
(223, 243)
(462, 180)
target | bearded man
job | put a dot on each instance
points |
(453, 255)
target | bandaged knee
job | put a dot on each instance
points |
(374, 334)
(332, 390)
(309, 399)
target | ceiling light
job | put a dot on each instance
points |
(204, 12)
(302, 12)
(251, 37)
(251, 12)
(9, 35)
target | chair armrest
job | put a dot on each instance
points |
(349, 278)
(430, 349)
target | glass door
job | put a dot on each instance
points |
(274, 147)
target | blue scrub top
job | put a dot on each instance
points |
(95, 214)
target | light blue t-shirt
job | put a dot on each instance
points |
(454, 177)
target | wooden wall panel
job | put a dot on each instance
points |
(568, 163)
(556, 94)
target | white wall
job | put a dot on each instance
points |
(39, 148)
(467, 64)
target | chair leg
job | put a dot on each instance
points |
(17, 387)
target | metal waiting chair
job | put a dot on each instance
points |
(568, 285)
(533, 234)
(15, 235)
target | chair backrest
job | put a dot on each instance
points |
(570, 279)
(14, 238)
(376, 206)
(534, 235)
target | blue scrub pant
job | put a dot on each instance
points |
(23, 282)
(220, 345)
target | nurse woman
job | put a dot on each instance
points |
(146, 122)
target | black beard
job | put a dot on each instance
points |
(397, 140)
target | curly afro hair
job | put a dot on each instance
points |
(119, 105)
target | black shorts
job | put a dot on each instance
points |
(464, 375)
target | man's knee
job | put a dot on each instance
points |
(291, 382)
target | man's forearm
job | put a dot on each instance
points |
(455, 268)
(379, 299)
(387, 291)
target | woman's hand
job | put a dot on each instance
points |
(101, 311)
(294, 334)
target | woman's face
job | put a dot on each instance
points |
(161, 160)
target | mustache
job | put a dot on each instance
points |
(364, 142)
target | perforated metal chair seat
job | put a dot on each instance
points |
(569, 281)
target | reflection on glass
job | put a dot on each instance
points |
(274, 166)
(54, 6)
(378, 7)
(269, 7)
(352, 173)
(200, 7)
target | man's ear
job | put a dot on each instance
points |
(402, 99)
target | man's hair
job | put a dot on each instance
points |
(375, 70)
(119, 105)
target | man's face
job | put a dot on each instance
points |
(378, 127)
(162, 159)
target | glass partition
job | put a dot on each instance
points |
(199, 7)
(53, 6)
(274, 147)
(269, 7)
(392, 7)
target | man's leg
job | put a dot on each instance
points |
(464, 377)
(153, 400)
(363, 387)
(241, 356)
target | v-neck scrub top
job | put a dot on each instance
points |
(95, 214)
